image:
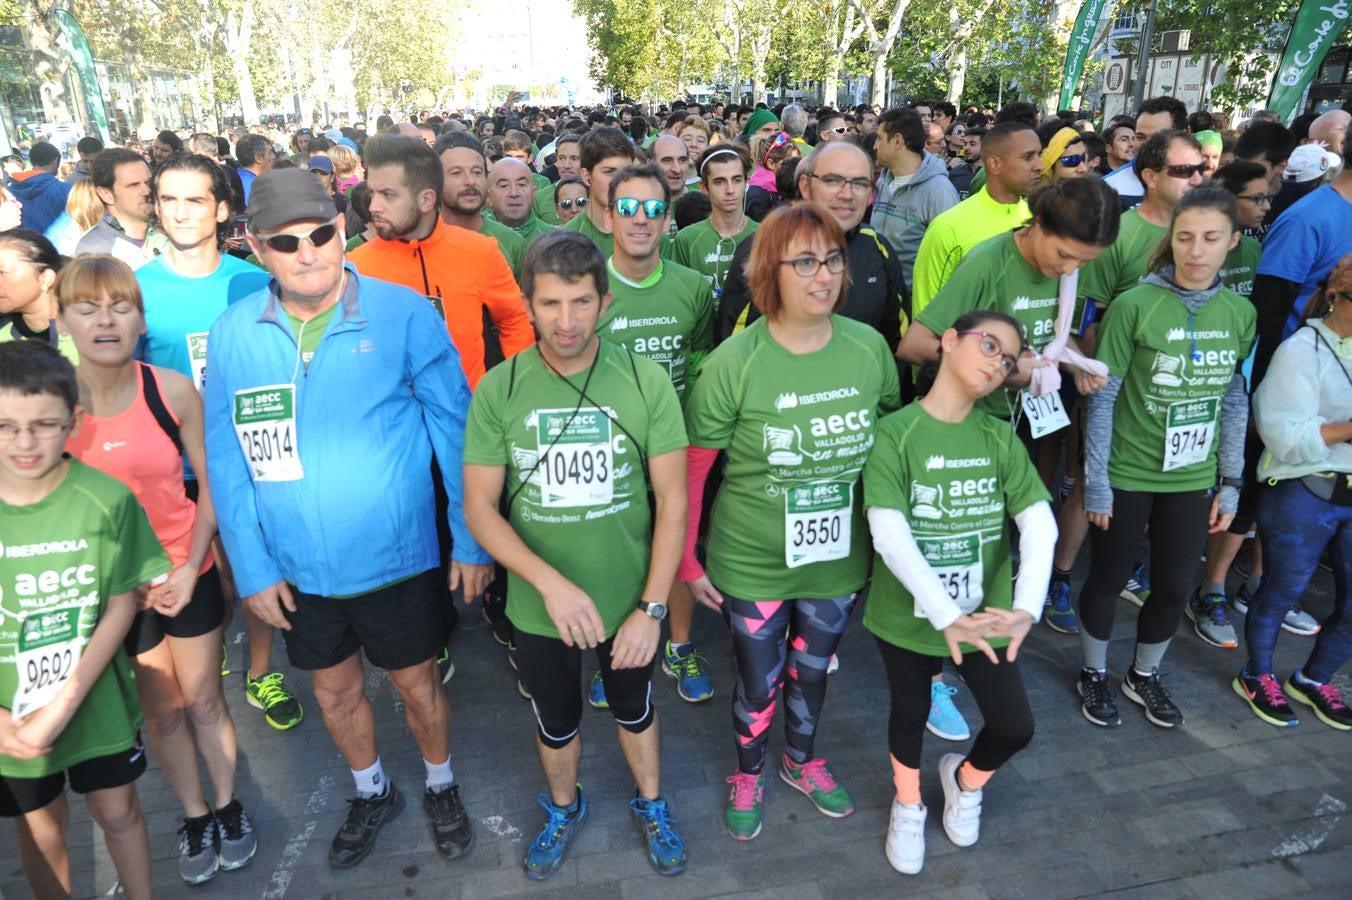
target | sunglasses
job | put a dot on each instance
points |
(290, 243)
(580, 203)
(779, 141)
(628, 207)
(839, 130)
(991, 348)
(1186, 171)
(1072, 161)
(807, 266)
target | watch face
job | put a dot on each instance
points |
(657, 610)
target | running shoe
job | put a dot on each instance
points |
(365, 817)
(905, 844)
(1059, 611)
(1210, 617)
(1298, 621)
(445, 665)
(1241, 600)
(496, 617)
(962, 809)
(746, 805)
(692, 682)
(280, 708)
(452, 831)
(944, 719)
(1137, 589)
(666, 848)
(1098, 703)
(1264, 696)
(1325, 699)
(238, 843)
(197, 857)
(1149, 692)
(596, 694)
(816, 782)
(545, 854)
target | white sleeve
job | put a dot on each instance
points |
(1037, 543)
(894, 542)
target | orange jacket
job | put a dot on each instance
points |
(463, 273)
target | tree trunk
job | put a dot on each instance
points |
(760, 52)
(238, 37)
(957, 77)
(50, 65)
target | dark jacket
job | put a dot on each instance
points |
(43, 198)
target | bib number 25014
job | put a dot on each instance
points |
(265, 422)
(817, 518)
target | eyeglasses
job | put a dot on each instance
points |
(860, 187)
(580, 203)
(290, 243)
(1072, 161)
(807, 266)
(1257, 199)
(1186, 171)
(628, 207)
(841, 129)
(991, 348)
(41, 431)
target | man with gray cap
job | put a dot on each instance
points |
(327, 393)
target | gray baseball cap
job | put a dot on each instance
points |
(281, 196)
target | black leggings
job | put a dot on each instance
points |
(1178, 533)
(552, 672)
(998, 691)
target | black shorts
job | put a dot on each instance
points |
(204, 613)
(25, 795)
(398, 626)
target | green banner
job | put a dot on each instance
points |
(77, 44)
(1316, 29)
(1077, 50)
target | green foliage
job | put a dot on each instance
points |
(1231, 31)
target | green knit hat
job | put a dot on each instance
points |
(1209, 138)
(758, 119)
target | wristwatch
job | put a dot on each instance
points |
(1236, 483)
(655, 611)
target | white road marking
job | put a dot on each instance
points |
(502, 828)
(1327, 812)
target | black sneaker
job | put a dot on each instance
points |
(365, 818)
(1326, 701)
(1264, 695)
(451, 829)
(1149, 692)
(495, 614)
(1098, 704)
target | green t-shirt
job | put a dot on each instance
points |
(669, 318)
(1122, 266)
(994, 275)
(544, 204)
(309, 333)
(63, 557)
(584, 509)
(532, 228)
(797, 429)
(354, 242)
(956, 483)
(1175, 369)
(582, 224)
(1241, 265)
(702, 248)
(513, 245)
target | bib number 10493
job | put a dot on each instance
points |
(576, 466)
(817, 519)
(265, 421)
(1190, 429)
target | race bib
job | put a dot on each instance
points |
(1190, 427)
(576, 466)
(49, 647)
(1045, 414)
(956, 559)
(265, 421)
(197, 358)
(817, 518)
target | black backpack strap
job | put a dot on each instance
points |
(150, 389)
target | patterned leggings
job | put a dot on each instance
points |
(771, 639)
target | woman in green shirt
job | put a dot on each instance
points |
(939, 486)
(1171, 418)
(29, 265)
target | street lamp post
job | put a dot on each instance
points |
(1143, 56)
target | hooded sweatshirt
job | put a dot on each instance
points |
(904, 206)
(43, 198)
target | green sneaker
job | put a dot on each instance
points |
(281, 710)
(225, 658)
(814, 780)
(746, 805)
(692, 682)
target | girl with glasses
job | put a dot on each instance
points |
(29, 266)
(1164, 446)
(792, 400)
(939, 486)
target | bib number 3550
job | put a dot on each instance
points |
(265, 421)
(817, 518)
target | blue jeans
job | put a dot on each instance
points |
(1296, 526)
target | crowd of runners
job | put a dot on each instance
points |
(594, 370)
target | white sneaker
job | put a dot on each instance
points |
(905, 845)
(962, 809)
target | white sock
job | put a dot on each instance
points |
(371, 781)
(439, 775)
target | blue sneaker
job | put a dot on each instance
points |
(545, 853)
(1137, 589)
(692, 682)
(596, 694)
(944, 719)
(666, 848)
(1059, 611)
(1210, 617)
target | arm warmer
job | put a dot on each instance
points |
(1037, 542)
(1234, 424)
(1273, 298)
(698, 462)
(1098, 445)
(894, 542)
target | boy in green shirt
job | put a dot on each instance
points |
(76, 546)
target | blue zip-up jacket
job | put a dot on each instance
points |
(383, 390)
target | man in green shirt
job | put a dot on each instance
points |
(574, 432)
(464, 193)
(672, 159)
(708, 245)
(511, 194)
(604, 152)
(568, 163)
(1012, 154)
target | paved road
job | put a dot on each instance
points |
(1225, 807)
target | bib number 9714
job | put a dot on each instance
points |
(1190, 429)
